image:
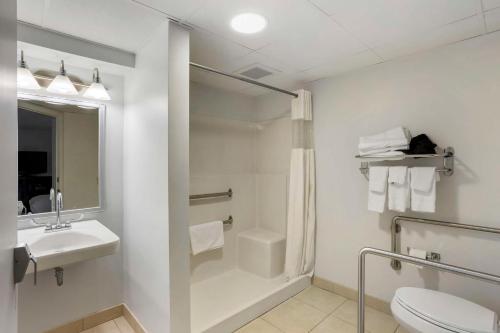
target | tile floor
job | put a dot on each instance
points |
(318, 311)
(118, 325)
(313, 310)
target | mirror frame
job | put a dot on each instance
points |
(102, 125)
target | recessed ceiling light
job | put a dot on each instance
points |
(248, 23)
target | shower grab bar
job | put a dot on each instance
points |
(400, 257)
(396, 232)
(228, 194)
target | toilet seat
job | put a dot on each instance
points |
(429, 311)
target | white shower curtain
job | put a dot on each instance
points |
(301, 220)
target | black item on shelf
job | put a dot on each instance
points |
(421, 144)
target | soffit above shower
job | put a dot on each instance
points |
(315, 39)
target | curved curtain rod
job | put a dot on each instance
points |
(244, 79)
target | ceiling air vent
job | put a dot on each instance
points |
(255, 72)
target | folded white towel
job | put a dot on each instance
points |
(206, 236)
(388, 155)
(423, 189)
(377, 188)
(394, 138)
(399, 189)
(387, 150)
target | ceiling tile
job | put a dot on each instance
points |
(351, 62)
(179, 9)
(218, 81)
(213, 51)
(378, 22)
(117, 23)
(467, 28)
(285, 18)
(257, 58)
(490, 4)
(492, 18)
(31, 11)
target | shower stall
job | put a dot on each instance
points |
(240, 150)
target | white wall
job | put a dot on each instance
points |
(236, 141)
(452, 94)
(146, 210)
(8, 149)
(178, 177)
(97, 284)
(222, 155)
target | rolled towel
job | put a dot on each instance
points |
(377, 188)
(423, 189)
(206, 236)
(399, 189)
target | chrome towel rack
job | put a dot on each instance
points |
(396, 232)
(228, 194)
(447, 155)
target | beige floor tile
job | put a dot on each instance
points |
(401, 330)
(108, 327)
(123, 325)
(293, 316)
(376, 322)
(334, 325)
(321, 299)
(258, 326)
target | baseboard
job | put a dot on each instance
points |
(352, 294)
(98, 318)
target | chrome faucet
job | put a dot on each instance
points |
(59, 206)
(58, 226)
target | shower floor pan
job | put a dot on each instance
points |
(224, 303)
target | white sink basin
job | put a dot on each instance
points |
(85, 240)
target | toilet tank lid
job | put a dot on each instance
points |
(445, 309)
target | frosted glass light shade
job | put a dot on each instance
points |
(62, 85)
(25, 79)
(248, 23)
(97, 91)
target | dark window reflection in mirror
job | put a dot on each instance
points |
(58, 150)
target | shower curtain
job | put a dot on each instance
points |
(301, 219)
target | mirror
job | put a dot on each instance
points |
(58, 150)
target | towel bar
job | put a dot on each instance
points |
(447, 155)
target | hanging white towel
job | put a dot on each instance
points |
(423, 189)
(399, 189)
(393, 139)
(206, 236)
(377, 188)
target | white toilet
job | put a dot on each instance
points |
(428, 311)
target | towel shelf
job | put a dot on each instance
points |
(228, 194)
(447, 155)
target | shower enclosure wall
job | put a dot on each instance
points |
(243, 143)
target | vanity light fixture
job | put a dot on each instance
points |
(25, 79)
(248, 23)
(61, 84)
(96, 89)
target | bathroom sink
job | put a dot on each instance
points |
(85, 240)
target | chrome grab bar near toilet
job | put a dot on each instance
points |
(401, 257)
(396, 232)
